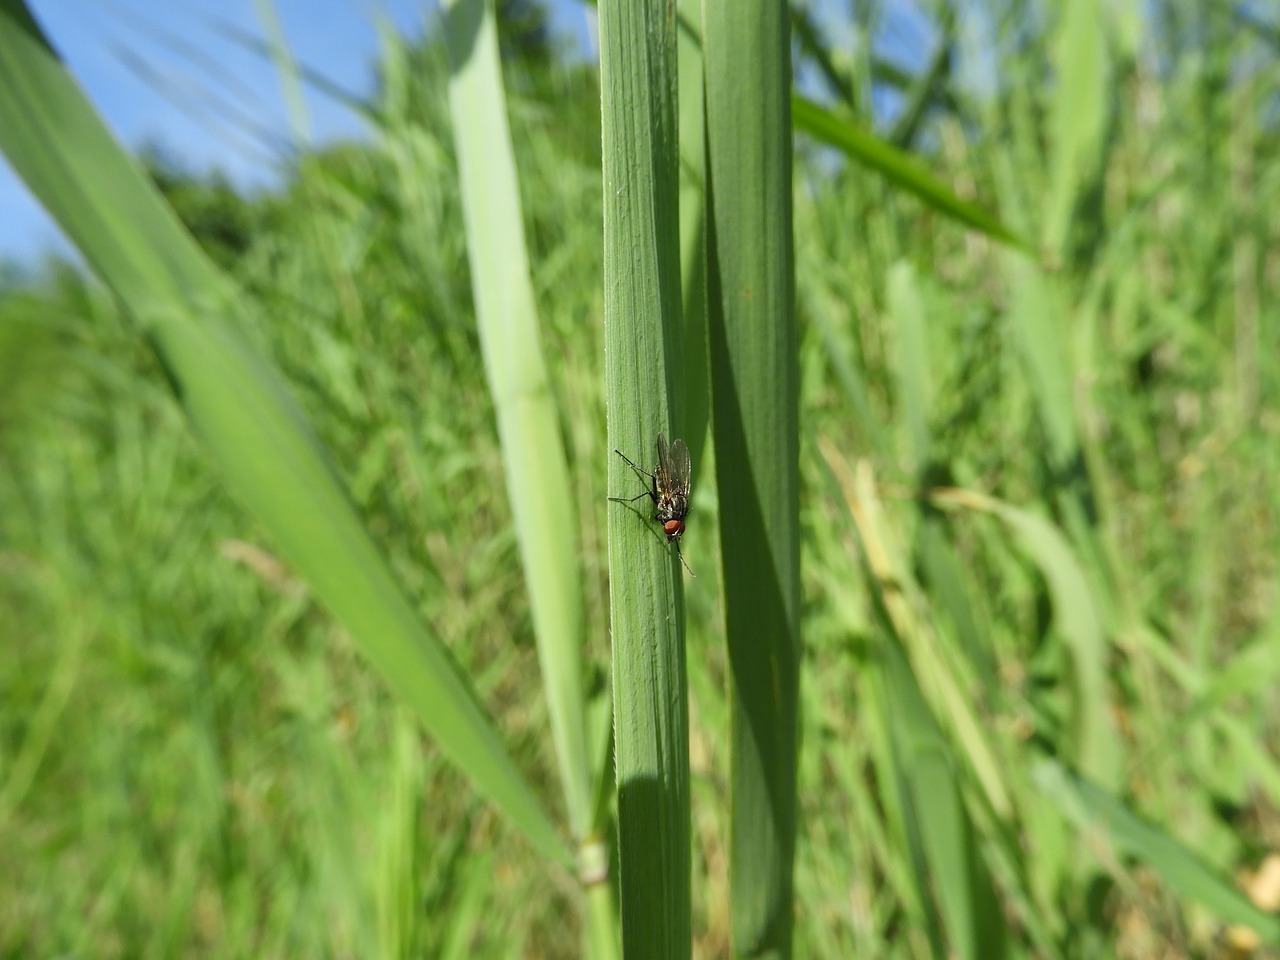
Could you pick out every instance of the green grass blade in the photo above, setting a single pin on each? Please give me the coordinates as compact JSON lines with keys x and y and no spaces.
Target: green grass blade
{"x":950,"y":872}
{"x":901,"y":169}
{"x":643,"y":363}
{"x":238,"y":407}
{"x":897,"y":165}
{"x":1035,"y":312}
{"x":1100,"y":815}
{"x":915,"y":383}
{"x":287,"y":70}
{"x":811,"y":45}
{"x":823,"y":308}
{"x":533,"y":450}
{"x":693,"y":241}
{"x":940,"y":674}
{"x":1077,"y":116}
{"x":1076,"y":613}
{"x":755,"y":399}
{"x":935,"y":741}
{"x":397,"y":887}
{"x":922,"y":93}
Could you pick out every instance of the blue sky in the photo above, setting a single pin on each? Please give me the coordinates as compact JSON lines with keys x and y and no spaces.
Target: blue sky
{"x":166,"y":73}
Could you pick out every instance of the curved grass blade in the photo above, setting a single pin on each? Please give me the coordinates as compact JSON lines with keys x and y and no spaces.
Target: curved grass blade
{"x":1097,"y":813}
{"x":250,"y":427}
{"x":1078,"y":619}
{"x":901,"y":169}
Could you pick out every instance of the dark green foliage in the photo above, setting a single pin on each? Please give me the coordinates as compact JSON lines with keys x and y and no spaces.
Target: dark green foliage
{"x":223,"y":221}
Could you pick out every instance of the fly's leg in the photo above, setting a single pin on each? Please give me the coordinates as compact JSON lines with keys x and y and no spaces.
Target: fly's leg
{"x":646,"y":493}
{"x":632,"y":465}
{"x":684,"y":561}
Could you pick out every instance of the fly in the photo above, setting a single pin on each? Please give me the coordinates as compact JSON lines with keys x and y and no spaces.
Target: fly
{"x":668,"y":489}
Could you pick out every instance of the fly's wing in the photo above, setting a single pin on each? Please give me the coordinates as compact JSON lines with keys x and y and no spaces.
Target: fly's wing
{"x":678,"y":469}
{"x":662,"y":472}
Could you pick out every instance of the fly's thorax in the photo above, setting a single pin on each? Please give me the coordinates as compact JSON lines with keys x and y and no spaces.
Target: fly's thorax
{"x":671,"y":506}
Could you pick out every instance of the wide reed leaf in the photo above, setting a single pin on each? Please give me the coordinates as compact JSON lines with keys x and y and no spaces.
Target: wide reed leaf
{"x":533,"y":450}
{"x":528,"y":426}
{"x":643,"y":369}
{"x":755,"y":402}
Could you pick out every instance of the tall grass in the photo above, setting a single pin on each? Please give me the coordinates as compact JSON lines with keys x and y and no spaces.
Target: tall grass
{"x":1037,"y":526}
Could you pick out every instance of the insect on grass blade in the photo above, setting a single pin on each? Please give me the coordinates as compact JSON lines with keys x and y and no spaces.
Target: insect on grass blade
{"x":669,"y":485}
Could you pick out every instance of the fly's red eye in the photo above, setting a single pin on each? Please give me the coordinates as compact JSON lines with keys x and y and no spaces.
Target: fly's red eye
{"x":674,"y":529}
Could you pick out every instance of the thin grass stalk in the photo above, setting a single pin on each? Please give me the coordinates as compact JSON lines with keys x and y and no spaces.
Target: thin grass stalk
{"x":643,"y":367}
{"x":396,"y":885}
{"x":537,"y":471}
{"x":911,"y":672}
{"x":249,"y":425}
{"x":755,"y":403}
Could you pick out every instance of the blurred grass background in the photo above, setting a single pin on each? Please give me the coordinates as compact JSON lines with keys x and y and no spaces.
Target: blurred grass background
{"x":194,"y":760}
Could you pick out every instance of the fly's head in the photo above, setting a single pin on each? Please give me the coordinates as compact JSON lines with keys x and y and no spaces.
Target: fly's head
{"x":671,"y":507}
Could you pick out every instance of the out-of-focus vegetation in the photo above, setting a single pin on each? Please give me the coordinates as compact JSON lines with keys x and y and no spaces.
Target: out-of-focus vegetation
{"x":1039,"y":520}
